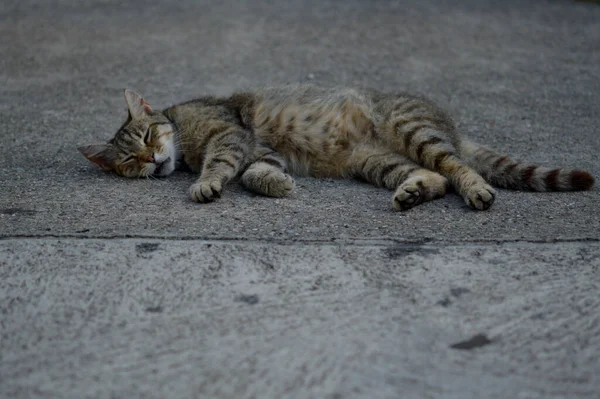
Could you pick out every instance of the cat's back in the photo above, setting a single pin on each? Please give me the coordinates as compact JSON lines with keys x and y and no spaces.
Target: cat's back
{"x":309,"y":96}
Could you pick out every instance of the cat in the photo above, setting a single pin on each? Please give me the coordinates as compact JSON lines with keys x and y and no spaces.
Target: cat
{"x":398,"y":141}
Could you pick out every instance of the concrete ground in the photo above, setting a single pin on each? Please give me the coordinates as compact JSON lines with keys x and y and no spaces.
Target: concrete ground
{"x":125,"y":288}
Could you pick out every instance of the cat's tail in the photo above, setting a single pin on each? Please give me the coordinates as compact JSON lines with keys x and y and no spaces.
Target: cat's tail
{"x":501,"y":171}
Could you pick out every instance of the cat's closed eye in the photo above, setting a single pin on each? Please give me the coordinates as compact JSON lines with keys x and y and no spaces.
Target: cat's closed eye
{"x":148,"y":135}
{"x":127,"y":159}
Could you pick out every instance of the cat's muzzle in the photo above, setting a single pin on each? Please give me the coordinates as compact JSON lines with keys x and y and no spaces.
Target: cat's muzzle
{"x":162,"y":167}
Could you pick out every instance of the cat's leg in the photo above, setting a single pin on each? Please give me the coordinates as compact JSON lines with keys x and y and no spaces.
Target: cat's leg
{"x":413,"y":184}
{"x":429,"y":140}
{"x":419,"y":130}
{"x":434,"y":150}
{"x":226,"y":153}
{"x":266,"y":175}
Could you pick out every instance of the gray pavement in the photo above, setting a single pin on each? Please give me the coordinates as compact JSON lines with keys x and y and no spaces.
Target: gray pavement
{"x":125,"y":288}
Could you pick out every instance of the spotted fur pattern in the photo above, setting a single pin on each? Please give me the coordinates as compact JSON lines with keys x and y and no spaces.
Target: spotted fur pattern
{"x":401,"y":142}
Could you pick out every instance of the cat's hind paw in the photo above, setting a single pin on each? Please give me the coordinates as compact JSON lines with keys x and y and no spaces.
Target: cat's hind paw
{"x":407,"y":196}
{"x":422,"y":187}
{"x":480,"y":196}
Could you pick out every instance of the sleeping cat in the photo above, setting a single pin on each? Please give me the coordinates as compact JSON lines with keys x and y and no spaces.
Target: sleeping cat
{"x":397,"y":141}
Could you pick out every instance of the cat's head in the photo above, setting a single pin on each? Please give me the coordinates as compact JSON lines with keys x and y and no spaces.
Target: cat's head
{"x":143,"y":146}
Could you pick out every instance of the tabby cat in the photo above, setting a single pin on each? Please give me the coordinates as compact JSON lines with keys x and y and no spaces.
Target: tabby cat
{"x":397,"y":141}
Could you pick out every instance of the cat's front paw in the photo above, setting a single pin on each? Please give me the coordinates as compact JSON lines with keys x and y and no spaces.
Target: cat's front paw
{"x":278,"y":184}
{"x":268,"y":181}
{"x":206,"y":191}
{"x":480,"y":196}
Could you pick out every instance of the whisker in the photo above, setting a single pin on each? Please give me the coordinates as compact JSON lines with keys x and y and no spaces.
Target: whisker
{"x":179,"y":142}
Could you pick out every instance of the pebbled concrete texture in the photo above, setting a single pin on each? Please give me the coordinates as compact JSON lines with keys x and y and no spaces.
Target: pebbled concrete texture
{"x":125,"y":288}
{"x":151,"y":318}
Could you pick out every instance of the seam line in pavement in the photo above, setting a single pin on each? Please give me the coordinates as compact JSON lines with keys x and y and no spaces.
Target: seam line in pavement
{"x":381,"y":241}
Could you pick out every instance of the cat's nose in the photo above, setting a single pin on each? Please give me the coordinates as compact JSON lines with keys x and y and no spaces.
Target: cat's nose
{"x":150,"y":158}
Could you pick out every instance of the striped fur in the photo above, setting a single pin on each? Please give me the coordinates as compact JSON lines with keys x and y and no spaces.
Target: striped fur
{"x":502,"y":171}
{"x":401,"y":142}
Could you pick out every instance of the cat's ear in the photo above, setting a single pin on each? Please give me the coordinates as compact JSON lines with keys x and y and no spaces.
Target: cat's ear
{"x":138,"y":107}
{"x":100,"y":154}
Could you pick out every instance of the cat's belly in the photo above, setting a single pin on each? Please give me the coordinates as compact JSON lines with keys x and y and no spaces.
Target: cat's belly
{"x":315,"y":138}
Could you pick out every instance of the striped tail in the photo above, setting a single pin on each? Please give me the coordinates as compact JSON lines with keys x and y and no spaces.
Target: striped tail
{"x":502,"y":171}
